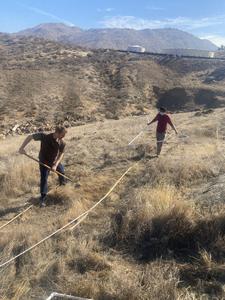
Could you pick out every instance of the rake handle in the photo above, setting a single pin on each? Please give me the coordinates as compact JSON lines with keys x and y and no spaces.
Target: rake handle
{"x":46,"y":166}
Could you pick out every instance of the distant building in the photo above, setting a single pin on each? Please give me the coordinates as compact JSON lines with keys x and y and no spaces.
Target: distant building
{"x":136,"y":48}
{"x":189,"y":52}
{"x":221,"y":48}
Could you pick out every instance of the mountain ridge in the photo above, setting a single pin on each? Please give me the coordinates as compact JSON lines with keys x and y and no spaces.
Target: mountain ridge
{"x":118,"y":39}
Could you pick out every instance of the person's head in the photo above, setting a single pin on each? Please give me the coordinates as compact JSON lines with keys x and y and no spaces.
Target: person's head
{"x":60,"y":132}
{"x":162,"y":110}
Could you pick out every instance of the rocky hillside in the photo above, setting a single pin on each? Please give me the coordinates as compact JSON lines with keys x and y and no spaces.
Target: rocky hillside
{"x":152,"y":39}
{"x":43,"y":83}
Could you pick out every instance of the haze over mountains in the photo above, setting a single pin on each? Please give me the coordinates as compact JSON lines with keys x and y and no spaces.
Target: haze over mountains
{"x":114,"y":38}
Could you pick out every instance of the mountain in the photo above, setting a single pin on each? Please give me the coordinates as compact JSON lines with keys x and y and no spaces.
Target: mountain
{"x":152,"y":39}
{"x":52,"y":31}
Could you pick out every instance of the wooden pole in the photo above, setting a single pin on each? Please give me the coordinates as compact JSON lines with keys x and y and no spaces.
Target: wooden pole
{"x":46,"y":166}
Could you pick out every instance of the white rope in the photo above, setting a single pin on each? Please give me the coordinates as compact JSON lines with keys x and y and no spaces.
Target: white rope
{"x":16,"y":217}
{"x":81,"y":220}
{"x":65,"y":297}
{"x":69,"y":223}
{"x":161,"y":141}
{"x":81,"y":217}
{"x":137,"y":136}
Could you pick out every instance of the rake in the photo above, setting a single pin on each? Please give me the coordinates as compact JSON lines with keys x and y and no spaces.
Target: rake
{"x":46,"y":166}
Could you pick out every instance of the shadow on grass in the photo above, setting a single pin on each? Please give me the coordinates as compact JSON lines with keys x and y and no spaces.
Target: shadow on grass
{"x":9,"y":210}
{"x":176,"y":237}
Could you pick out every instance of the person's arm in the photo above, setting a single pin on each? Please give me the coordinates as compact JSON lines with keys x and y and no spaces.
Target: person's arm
{"x":59,"y":156}
{"x":154,"y":120}
{"x":172,"y":125}
{"x":58,"y":160}
{"x":25,"y":143}
{"x":36,"y":136}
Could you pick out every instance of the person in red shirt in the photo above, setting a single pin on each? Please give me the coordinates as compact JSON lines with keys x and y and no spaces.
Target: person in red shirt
{"x":163,"y":119}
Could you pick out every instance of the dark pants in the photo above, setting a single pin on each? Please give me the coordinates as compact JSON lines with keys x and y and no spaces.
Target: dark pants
{"x":44,"y":172}
{"x":160,"y":137}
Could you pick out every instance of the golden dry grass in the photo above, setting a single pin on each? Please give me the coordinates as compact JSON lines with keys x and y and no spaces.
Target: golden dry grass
{"x":150,"y":216}
{"x":20,"y":178}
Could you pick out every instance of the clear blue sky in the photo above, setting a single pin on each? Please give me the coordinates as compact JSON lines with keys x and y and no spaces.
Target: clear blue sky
{"x":203,"y":18}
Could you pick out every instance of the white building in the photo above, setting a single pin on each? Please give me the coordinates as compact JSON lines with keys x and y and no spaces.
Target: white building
{"x":189,"y":52}
{"x":136,"y":48}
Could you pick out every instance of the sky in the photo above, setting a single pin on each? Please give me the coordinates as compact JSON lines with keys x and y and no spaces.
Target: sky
{"x":203,"y":18}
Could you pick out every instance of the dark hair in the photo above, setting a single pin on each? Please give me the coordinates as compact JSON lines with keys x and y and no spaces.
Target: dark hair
{"x":162,"y":109}
{"x":60,"y":129}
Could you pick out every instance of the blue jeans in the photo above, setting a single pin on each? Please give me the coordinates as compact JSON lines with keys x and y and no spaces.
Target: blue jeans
{"x":44,"y":172}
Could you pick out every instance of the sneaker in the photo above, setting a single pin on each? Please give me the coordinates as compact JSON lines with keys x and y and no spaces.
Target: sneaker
{"x":43,"y":201}
{"x":42,"y":204}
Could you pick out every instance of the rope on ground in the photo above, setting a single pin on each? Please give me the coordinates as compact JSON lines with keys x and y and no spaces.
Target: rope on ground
{"x":80,"y":220}
{"x":71,"y":222}
{"x":16,"y":217}
{"x":182,"y":136}
{"x":64,"y":296}
{"x":137,"y":136}
{"x":28,"y":208}
{"x":81,"y":217}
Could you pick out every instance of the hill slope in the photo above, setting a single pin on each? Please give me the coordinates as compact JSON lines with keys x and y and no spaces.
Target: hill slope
{"x":87,"y":85}
{"x":152,"y":39}
{"x":159,"y":235}
{"x":43,"y":83}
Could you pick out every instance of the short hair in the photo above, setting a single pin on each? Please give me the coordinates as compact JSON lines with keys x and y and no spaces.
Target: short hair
{"x":162,"y":109}
{"x":60,"y":129}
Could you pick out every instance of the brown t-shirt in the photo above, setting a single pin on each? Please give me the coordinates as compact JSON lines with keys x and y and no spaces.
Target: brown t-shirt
{"x":50,"y":147}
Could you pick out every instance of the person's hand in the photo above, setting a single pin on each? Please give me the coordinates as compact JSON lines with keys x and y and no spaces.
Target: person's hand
{"x":54,"y":167}
{"x":22,"y":151}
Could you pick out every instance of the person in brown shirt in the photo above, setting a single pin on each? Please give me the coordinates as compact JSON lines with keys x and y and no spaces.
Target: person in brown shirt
{"x":51,"y":153}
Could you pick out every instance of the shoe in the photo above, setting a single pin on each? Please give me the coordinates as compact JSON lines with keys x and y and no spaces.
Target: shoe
{"x":42,"y":201}
{"x":43,"y":204}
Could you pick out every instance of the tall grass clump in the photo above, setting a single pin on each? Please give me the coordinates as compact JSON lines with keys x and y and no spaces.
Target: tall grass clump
{"x":20,"y":177}
{"x":157,"y":218}
{"x":159,"y":222}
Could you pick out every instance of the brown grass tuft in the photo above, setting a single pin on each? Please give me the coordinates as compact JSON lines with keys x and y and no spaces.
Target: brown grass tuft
{"x":62,"y":195}
{"x":156,"y":222}
{"x":204,"y":275}
{"x":84,"y":257}
{"x":20,"y":178}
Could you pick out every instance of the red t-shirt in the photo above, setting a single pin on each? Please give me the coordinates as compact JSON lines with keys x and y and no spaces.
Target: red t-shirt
{"x":163,"y":120}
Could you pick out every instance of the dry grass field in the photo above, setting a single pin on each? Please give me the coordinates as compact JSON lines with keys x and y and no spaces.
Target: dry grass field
{"x":159,"y":235}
